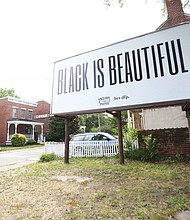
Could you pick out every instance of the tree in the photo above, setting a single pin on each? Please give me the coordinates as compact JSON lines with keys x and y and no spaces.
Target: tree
{"x":99,"y":122}
{"x":186,"y":3}
{"x":56,"y":130}
{"x":7,"y":92}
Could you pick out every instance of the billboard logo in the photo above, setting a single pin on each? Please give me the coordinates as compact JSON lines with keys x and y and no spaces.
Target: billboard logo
{"x":104,"y":100}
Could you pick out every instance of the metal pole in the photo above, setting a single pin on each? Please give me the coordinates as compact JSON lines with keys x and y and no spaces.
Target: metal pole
{"x":66,"y":157}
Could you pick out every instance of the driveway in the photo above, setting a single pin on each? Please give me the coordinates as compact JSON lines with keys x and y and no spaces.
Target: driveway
{"x":17,"y":158}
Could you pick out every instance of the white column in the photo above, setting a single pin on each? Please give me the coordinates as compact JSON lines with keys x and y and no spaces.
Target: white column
{"x":33,"y":127}
{"x":8,"y":126}
{"x":42,"y":131}
{"x":133,"y":120}
{"x":16,"y":128}
{"x":129,"y":119}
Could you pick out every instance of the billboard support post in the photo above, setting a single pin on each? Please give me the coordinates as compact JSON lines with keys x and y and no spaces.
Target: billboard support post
{"x":186,"y":108}
{"x":67,"y":125}
{"x":120,"y":137}
{"x":117,"y":114}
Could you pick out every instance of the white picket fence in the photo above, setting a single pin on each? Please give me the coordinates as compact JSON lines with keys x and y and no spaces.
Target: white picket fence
{"x":86,"y":148}
{"x":83,"y":148}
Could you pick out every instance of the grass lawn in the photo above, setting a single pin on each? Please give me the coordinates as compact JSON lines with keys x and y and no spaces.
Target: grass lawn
{"x":135,"y":190}
{"x":6,"y":148}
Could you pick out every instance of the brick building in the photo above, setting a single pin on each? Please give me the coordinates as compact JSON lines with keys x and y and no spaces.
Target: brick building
{"x":166,"y":117}
{"x":24,"y":117}
{"x":169,"y":125}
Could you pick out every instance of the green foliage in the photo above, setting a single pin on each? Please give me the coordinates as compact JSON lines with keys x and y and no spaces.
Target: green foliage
{"x":178,"y":158}
{"x":31,"y":142}
{"x":18,"y":140}
{"x":56,"y":130}
{"x":150,"y":143}
{"x":99,"y":122}
{"x":48,"y":157}
{"x":7,"y":92}
{"x":147,"y":154}
{"x":91,"y":122}
{"x":130,"y":136}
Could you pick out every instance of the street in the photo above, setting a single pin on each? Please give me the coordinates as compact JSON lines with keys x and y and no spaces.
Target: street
{"x":17,"y":158}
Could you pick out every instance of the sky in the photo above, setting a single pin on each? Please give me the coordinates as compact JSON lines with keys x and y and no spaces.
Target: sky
{"x":37,"y":33}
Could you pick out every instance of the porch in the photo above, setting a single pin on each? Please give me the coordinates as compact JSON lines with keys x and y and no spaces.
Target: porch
{"x":27,"y":128}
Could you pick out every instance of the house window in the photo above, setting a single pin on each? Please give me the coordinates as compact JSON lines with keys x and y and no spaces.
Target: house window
{"x":30,"y":115}
{"x":15,"y":113}
{"x":23,"y":113}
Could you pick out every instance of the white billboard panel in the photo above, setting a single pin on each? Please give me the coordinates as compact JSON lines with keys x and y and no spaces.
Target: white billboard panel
{"x":147,"y":70}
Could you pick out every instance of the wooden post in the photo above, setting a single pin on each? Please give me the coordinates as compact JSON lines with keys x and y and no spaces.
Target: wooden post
{"x":186,"y":108}
{"x":120,"y":136}
{"x":67,"y":124}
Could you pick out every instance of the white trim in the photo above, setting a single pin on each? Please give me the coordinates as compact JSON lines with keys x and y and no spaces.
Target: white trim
{"x":12,"y":99}
{"x":25,"y":122}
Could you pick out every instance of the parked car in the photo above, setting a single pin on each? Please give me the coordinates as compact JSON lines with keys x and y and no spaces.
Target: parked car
{"x":93,"y":144}
{"x":93,"y":136}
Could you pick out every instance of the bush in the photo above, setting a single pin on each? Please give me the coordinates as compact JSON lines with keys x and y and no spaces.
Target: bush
{"x":18,"y":140}
{"x":147,"y":154}
{"x":31,"y":142}
{"x":130,"y":136}
{"x":48,"y":157}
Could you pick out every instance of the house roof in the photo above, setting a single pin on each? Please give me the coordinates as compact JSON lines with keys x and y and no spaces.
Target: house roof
{"x":24,"y":121}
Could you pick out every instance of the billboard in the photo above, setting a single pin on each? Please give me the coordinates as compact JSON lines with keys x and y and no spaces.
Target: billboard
{"x":148,"y":70}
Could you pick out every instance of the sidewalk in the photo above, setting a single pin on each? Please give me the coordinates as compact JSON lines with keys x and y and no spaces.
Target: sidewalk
{"x":16,"y":165}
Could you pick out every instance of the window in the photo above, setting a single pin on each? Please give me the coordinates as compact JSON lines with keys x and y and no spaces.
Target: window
{"x":23,"y":113}
{"x":78,"y":138}
{"x":30,"y":115}
{"x":15,"y":112}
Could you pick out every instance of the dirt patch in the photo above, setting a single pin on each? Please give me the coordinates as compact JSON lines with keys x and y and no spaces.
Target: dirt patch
{"x":78,"y":179}
{"x":184,"y":215}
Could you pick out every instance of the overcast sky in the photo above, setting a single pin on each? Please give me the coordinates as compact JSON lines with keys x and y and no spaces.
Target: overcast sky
{"x":36,"y":33}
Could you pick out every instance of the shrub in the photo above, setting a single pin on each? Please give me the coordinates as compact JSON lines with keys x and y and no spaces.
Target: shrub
{"x":18,"y":140}
{"x":147,"y":154}
{"x":48,"y":157}
{"x":31,"y":142}
{"x":130,"y":136}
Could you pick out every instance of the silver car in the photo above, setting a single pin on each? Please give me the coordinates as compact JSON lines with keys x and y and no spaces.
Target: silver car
{"x":93,"y":144}
{"x":93,"y":136}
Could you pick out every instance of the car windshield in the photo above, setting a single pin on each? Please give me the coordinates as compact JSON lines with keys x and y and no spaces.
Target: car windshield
{"x":78,"y":138}
{"x":89,"y":137}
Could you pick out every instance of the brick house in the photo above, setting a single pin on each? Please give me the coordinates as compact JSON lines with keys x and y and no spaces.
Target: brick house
{"x":170,"y":125}
{"x":24,"y":117}
{"x":166,"y":117}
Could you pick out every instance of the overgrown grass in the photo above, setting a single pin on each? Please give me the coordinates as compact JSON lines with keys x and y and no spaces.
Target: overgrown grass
{"x":135,"y":190}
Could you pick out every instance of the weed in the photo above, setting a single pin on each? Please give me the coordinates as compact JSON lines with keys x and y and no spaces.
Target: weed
{"x":147,"y":154}
{"x":48,"y":157}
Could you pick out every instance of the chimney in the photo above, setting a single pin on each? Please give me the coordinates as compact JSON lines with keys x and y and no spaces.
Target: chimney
{"x":176,"y":14}
{"x":174,"y":8}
